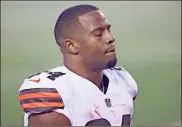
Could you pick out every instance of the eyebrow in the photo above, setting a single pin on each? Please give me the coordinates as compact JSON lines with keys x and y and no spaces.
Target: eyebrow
{"x":101,"y":27}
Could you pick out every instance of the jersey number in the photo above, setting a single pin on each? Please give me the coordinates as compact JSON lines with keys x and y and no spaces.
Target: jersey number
{"x":52,"y":75}
{"x":126,"y":120}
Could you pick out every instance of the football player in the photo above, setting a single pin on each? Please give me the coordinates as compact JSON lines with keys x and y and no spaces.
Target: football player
{"x":88,"y":89}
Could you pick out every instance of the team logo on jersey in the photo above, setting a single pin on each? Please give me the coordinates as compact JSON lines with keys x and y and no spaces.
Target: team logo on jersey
{"x":35,"y":80}
{"x":108,"y":102}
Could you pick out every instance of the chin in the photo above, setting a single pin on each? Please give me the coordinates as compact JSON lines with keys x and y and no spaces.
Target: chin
{"x":111,"y":63}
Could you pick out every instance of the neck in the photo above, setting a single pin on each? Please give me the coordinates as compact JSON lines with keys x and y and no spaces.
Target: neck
{"x":82,"y":70}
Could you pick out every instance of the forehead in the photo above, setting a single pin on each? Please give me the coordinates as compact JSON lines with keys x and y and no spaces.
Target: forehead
{"x":93,"y":20}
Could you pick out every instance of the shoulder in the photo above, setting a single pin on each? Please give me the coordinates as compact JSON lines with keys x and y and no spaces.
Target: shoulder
{"x":121,"y":73}
{"x":51,"y":80}
{"x":46,"y":92}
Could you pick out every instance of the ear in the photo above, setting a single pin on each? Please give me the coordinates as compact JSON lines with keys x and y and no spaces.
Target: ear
{"x":72,"y":46}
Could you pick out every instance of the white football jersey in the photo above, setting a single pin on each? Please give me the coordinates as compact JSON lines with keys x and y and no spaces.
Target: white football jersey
{"x":60,"y":90}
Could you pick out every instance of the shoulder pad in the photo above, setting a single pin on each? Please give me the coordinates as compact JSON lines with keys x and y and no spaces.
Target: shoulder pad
{"x":40,"y":94}
{"x":126,"y":76}
{"x":43,"y":78}
{"x":48,"y":79}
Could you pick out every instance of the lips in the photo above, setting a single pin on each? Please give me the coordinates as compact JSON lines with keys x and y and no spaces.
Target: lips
{"x":110,"y":50}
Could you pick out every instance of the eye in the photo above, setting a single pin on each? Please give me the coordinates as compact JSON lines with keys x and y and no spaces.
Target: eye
{"x":98,"y":33}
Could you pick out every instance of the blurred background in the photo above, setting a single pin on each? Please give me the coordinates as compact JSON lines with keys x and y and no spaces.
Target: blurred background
{"x":148,"y":43}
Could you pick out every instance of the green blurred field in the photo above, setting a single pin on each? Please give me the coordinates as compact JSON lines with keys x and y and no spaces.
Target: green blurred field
{"x":148,"y":42}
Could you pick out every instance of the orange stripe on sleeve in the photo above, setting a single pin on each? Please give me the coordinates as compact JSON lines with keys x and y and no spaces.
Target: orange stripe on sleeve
{"x":39,"y":95}
{"x":42,"y":104}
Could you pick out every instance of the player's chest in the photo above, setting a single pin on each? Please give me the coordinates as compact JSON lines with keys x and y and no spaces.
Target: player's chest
{"x":90,"y":103}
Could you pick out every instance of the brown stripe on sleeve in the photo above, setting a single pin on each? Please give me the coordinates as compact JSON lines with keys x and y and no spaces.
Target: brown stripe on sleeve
{"x":39,"y":107}
{"x":39,"y":100}
{"x":35,"y":90}
{"x":39,"y":95}
{"x":43,"y":104}
{"x":33,"y":100}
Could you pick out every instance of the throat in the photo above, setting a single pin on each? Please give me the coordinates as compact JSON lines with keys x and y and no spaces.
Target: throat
{"x":96,"y":77}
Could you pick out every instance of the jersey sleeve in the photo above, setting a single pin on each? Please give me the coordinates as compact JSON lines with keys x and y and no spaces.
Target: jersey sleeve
{"x":40,"y":95}
{"x":130,"y":81}
{"x":132,"y":84}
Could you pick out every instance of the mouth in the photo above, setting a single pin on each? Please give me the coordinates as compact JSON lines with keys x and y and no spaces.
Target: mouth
{"x":111,"y":50}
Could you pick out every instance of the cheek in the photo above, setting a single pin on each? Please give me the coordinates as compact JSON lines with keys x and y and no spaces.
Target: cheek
{"x":93,"y":48}
{"x":97,"y":51}
{"x":93,"y":53}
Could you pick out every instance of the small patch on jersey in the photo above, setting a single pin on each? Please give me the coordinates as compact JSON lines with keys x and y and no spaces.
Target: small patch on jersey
{"x":108,"y":102}
{"x":39,"y":100}
{"x":35,"y":80}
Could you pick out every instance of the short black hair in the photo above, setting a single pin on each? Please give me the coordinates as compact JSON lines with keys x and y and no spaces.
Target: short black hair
{"x":68,"y":21}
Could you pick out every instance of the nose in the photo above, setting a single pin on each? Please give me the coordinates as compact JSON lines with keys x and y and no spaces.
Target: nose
{"x":110,"y":38}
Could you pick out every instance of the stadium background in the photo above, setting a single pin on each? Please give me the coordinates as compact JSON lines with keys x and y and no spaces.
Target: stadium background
{"x":148,"y":36}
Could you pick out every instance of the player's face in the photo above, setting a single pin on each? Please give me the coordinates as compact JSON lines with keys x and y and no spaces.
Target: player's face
{"x":98,"y":48}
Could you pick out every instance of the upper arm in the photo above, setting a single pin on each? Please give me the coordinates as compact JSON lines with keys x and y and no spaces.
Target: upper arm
{"x":49,"y":119}
{"x":43,"y":104}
